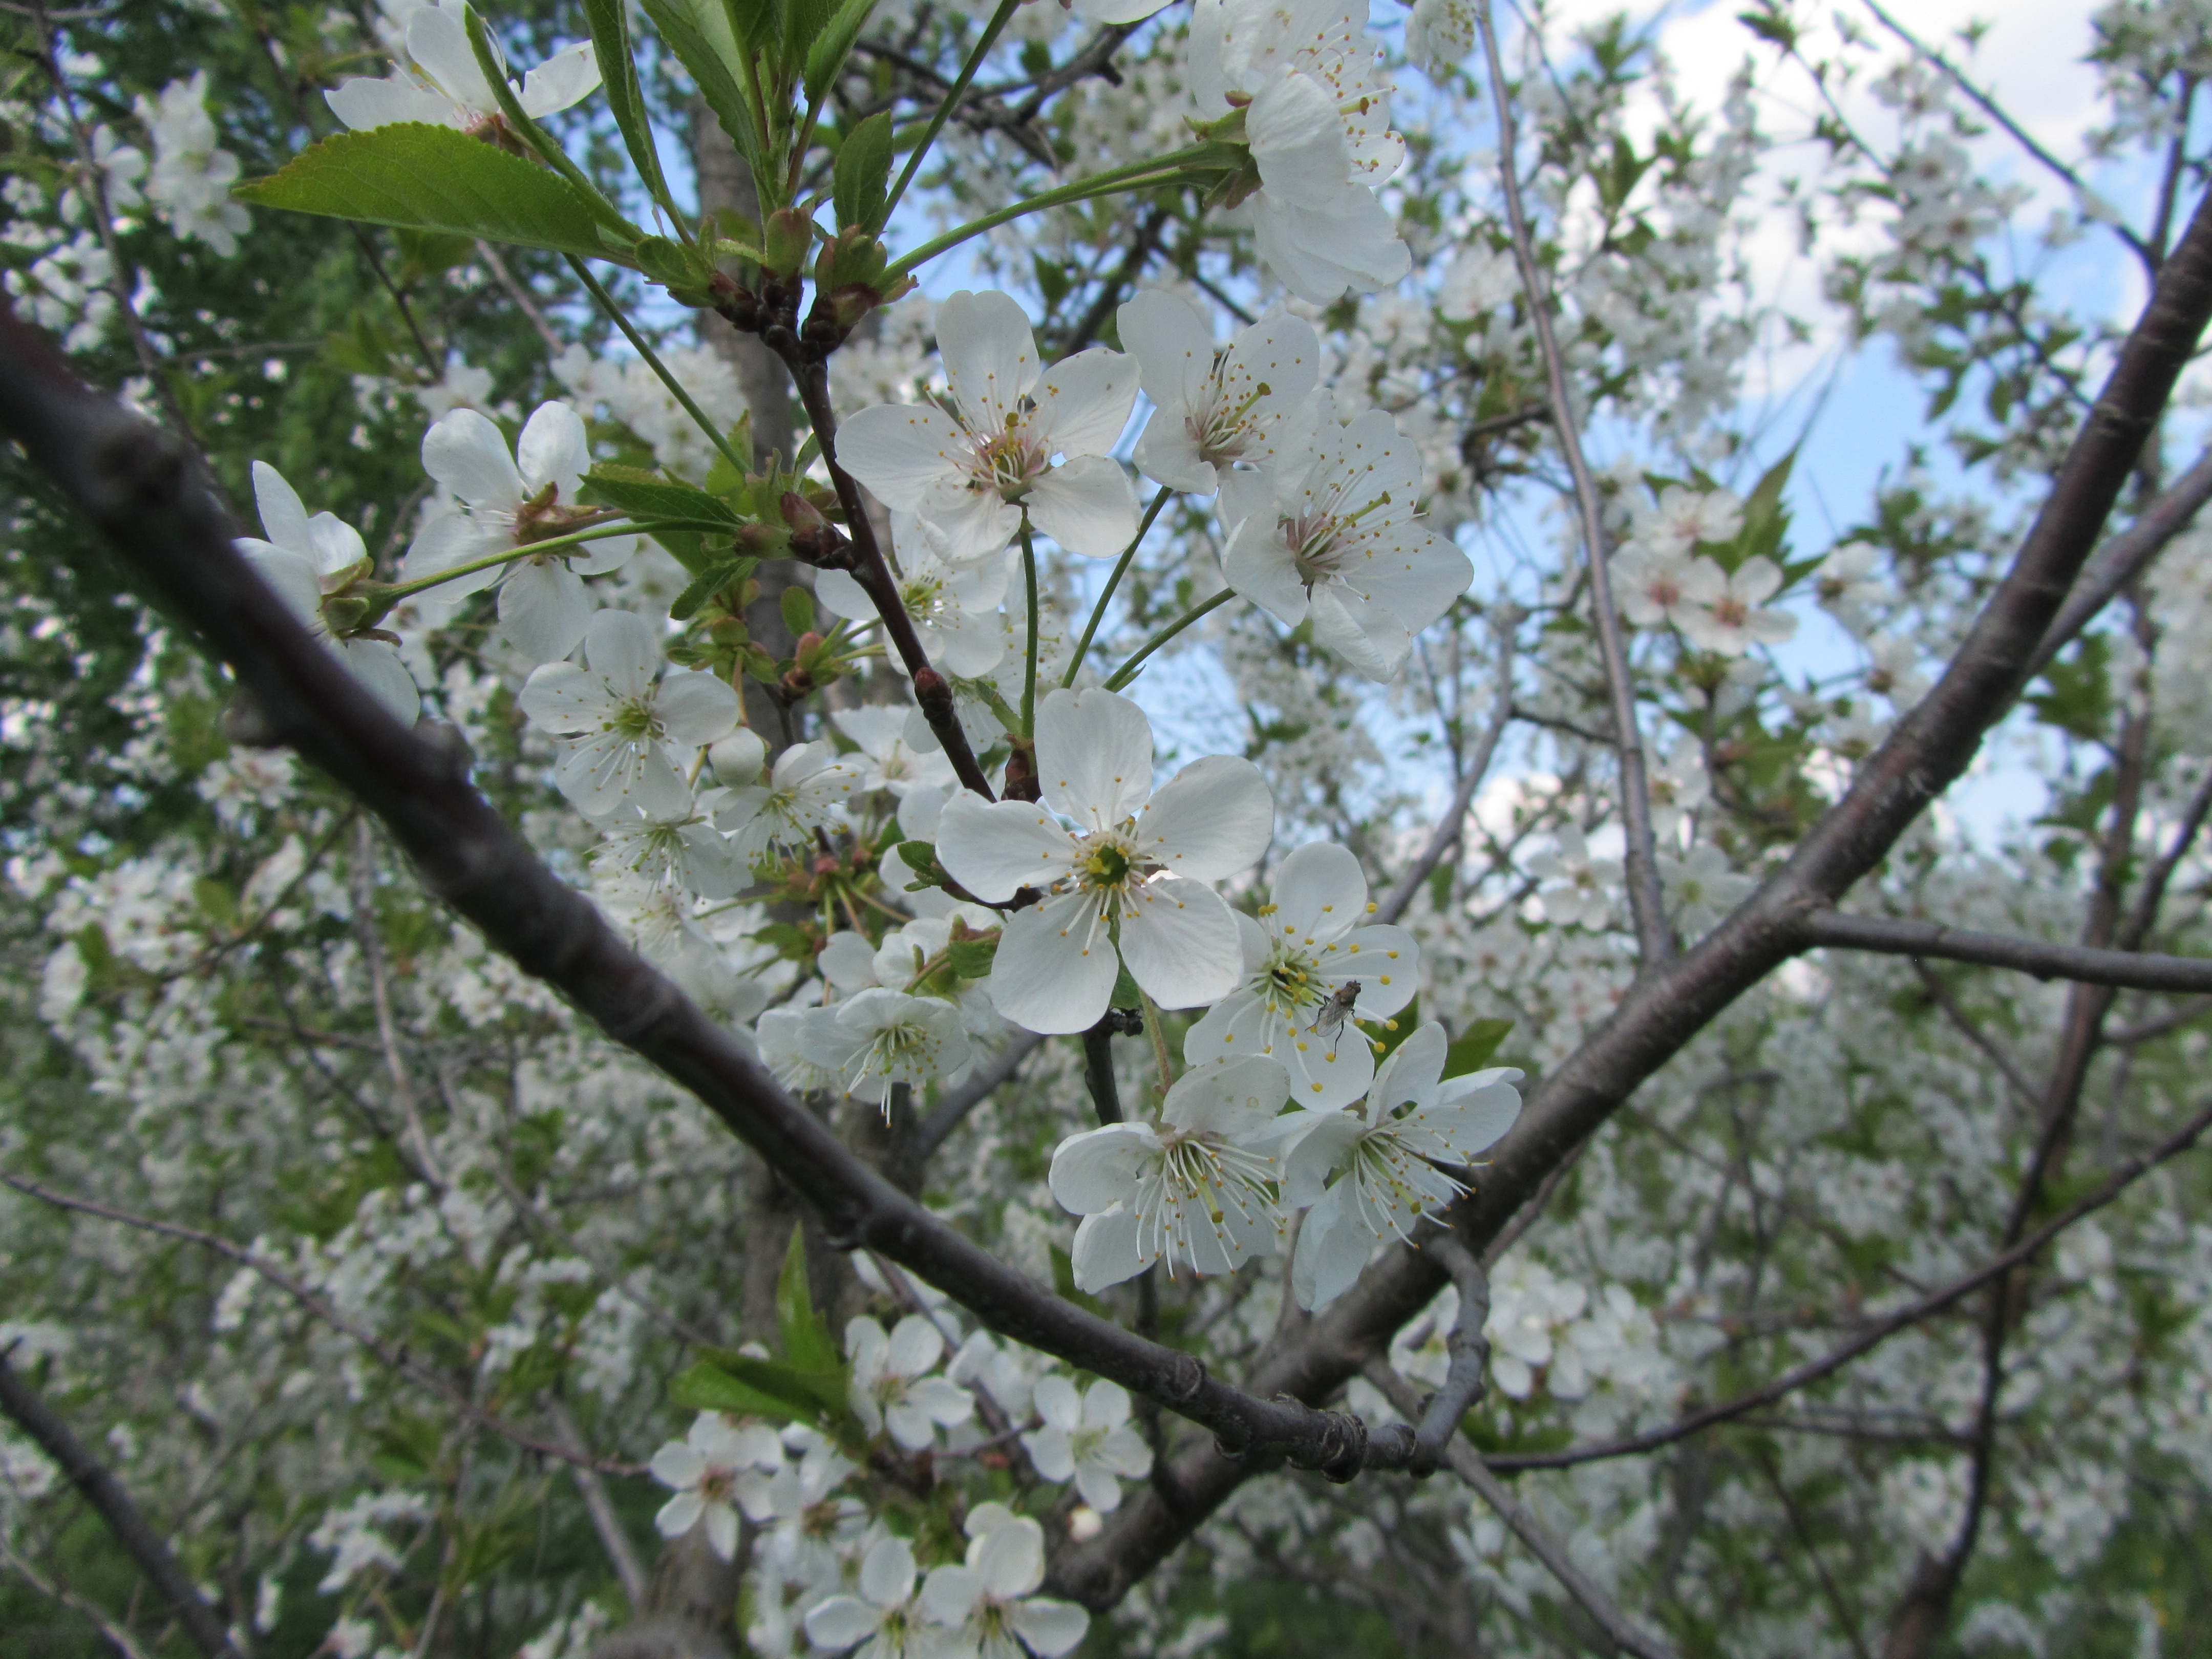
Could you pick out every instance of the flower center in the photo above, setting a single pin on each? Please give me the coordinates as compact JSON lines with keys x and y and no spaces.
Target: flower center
{"x":1289,"y":983}
{"x":923,"y":598}
{"x":1007,"y":463}
{"x":1730,"y":612}
{"x":1223,"y":434}
{"x":633,"y":719}
{"x":1107,"y":866}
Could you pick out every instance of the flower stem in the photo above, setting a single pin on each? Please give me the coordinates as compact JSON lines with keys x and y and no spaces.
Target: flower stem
{"x":1029,"y":669}
{"x":992,"y":31}
{"x":652,"y":361}
{"x":528,"y":551}
{"x":1114,"y":581}
{"x":1167,"y":170}
{"x":1158,"y":1031}
{"x":1127,"y":670}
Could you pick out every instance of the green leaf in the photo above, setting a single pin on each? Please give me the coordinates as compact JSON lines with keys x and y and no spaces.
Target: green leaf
{"x":2080,"y":700}
{"x":1765,"y":519}
{"x":415,"y":176}
{"x":806,"y":1340}
{"x":645,"y":495}
{"x":609,"y":21}
{"x":753,"y":23}
{"x":971,"y":958}
{"x":699,"y":33}
{"x":708,"y":583}
{"x":827,"y":51}
{"x":1471,"y":1049}
{"x":864,"y":171}
{"x":739,"y":1383}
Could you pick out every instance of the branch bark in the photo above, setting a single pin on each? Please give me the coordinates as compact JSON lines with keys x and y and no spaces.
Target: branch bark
{"x":1897,"y":937}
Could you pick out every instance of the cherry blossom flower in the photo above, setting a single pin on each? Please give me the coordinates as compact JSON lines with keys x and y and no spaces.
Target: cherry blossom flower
{"x":661,"y":920}
{"x":954,"y":607}
{"x":1439,"y":35}
{"x":504,"y":501}
{"x":806,"y":791}
{"x":1848,"y":581}
{"x":1677,"y":785}
{"x":1087,"y":1437}
{"x":305,"y":560}
{"x":1655,"y":589}
{"x":912,"y":958}
{"x":1340,"y":545}
{"x":1702,"y":887}
{"x":191,"y":174}
{"x":1724,"y":615}
{"x":989,"y":1607}
{"x":1682,"y":518}
{"x":708,"y":1468}
{"x":1123,"y":881}
{"x":1192,"y":1188}
{"x":1317,"y":117}
{"x":898,"y":751}
{"x":884,"y":1615}
{"x":1528,"y":1306}
{"x":622,"y":723}
{"x":1299,"y":952}
{"x":1254,"y":405}
{"x":1893,"y":670}
{"x":890,"y":1388}
{"x":449,"y":89}
{"x":1581,"y":893}
{"x":974,"y":472}
{"x":680,"y":848}
{"x":1389,"y":1177}
{"x":881,"y":1037}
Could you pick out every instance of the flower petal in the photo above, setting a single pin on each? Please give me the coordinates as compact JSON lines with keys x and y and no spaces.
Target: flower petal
{"x":466,"y":453}
{"x":1211,"y":820}
{"x":1094,"y":752}
{"x":993,"y":847}
{"x":565,"y":78}
{"x":886,"y":1573}
{"x":1109,"y":1250}
{"x":1046,"y":1627}
{"x":544,"y":610}
{"x":1094,"y":1170}
{"x":1087,"y":506}
{"x":1055,"y":967}
{"x":1084,"y":402}
{"x":843,"y":1620}
{"x":989,"y":354}
{"x":905,"y":452}
{"x":1172,"y":341}
{"x":694,"y":709}
{"x":1180,"y":944}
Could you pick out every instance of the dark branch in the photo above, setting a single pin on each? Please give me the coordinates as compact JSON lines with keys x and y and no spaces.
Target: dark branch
{"x":104,"y":1493}
{"x":1891,"y":936}
{"x":1468,"y":1350}
{"x":2125,"y":557}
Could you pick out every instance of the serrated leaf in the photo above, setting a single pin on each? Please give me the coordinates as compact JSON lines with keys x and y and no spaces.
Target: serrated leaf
{"x":827,"y":51}
{"x":754,"y":23}
{"x":415,"y":176}
{"x":608,"y":22}
{"x":807,"y":1344}
{"x":1471,"y":1049}
{"x":971,"y":958}
{"x":864,"y":171}
{"x":699,"y":33}
{"x":706,"y":584}
{"x":649,"y":496}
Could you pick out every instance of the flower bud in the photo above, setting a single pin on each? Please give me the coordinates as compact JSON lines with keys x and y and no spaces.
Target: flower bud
{"x":788,"y":237}
{"x":737,"y":759}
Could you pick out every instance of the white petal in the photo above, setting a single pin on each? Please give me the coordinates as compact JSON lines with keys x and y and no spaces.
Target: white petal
{"x":1298,"y":140}
{"x":842,"y":1620}
{"x":886,"y":1573}
{"x":902,"y":452}
{"x":1349,"y":626}
{"x":283,"y":517}
{"x":380,"y":666}
{"x":1011,"y":1560}
{"x":623,"y":649}
{"x":1258,"y":565}
{"x":544,"y":610}
{"x":291,"y":574}
{"x":466,"y":453}
{"x":993,"y":847}
{"x":1097,"y":1168}
{"x":363,"y":103}
{"x":841,"y":596}
{"x":1046,"y":1627}
{"x":917,"y":1345}
{"x":1168,"y":454}
{"x":565,"y":78}
{"x":1211,"y":820}
{"x":1125,"y":1452}
{"x":1107,"y":1249}
{"x":696,"y":708}
{"x":1055,"y":968}
{"x":677,"y":1464}
{"x":722,"y":1530}
{"x":561,"y":697}
{"x":438,"y":41}
{"x":950,"y":1592}
{"x":1098,"y":1487}
{"x":1172,"y":340}
{"x":678,"y":1515}
{"x":1411,"y":1072}
{"x":1051,"y":1453}
{"x":1085,"y":401}
{"x":1094,"y":752}
{"x":1332,"y":1249}
{"x":1180,"y":945}
{"x":989,"y":354}
{"x":1056,"y":1400}
{"x":553,"y":450}
{"x":1087,"y":506}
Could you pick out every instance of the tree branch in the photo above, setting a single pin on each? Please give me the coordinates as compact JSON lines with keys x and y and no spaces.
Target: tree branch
{"x":1453,"y":824}
{"x":104,"y":1493}
{"x":1654,"y":939}
{"x":2125,"y":557}
{"x":1893,"y":936}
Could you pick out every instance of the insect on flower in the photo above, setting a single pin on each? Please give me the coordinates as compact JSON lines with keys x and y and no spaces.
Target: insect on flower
{"x":1329,"y":1019}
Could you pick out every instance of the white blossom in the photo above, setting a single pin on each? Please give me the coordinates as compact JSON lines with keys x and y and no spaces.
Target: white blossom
{"x":806,"y":791}
{"x":709,"y":1469}
{"x":447,"y":86}
{"x":1087,"y":1437}
{"x":1252,"y":406}
{"x":890,"y":1388}
{"x":988,"y":1605}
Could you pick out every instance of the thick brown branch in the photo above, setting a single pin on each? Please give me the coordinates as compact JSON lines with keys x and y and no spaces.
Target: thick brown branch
{"x":104,"y":1493}
{"x":1893,"y":936}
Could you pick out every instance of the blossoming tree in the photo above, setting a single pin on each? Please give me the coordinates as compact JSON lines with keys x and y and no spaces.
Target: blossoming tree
{"x":1039,"y":830}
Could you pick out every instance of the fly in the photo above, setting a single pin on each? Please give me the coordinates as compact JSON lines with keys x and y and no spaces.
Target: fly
{"x":1329,"y":1020}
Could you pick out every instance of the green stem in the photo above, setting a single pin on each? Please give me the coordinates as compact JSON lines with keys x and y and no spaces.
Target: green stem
{"x":1028,"y":671}
{"x":992,"y":31}
{"x":1127,"y":670}
{"x":400,"y":591}
{"x":1167,"y":170}
{"x":1114,"y":581}
{"x":606,"y":302}
{"x":1158,"y":1034}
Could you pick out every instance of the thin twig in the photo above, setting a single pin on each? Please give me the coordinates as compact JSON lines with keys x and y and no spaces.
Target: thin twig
{"x":1894,"y":936}
{"x":1454,"y":821}
{"x":1654,"y":939}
